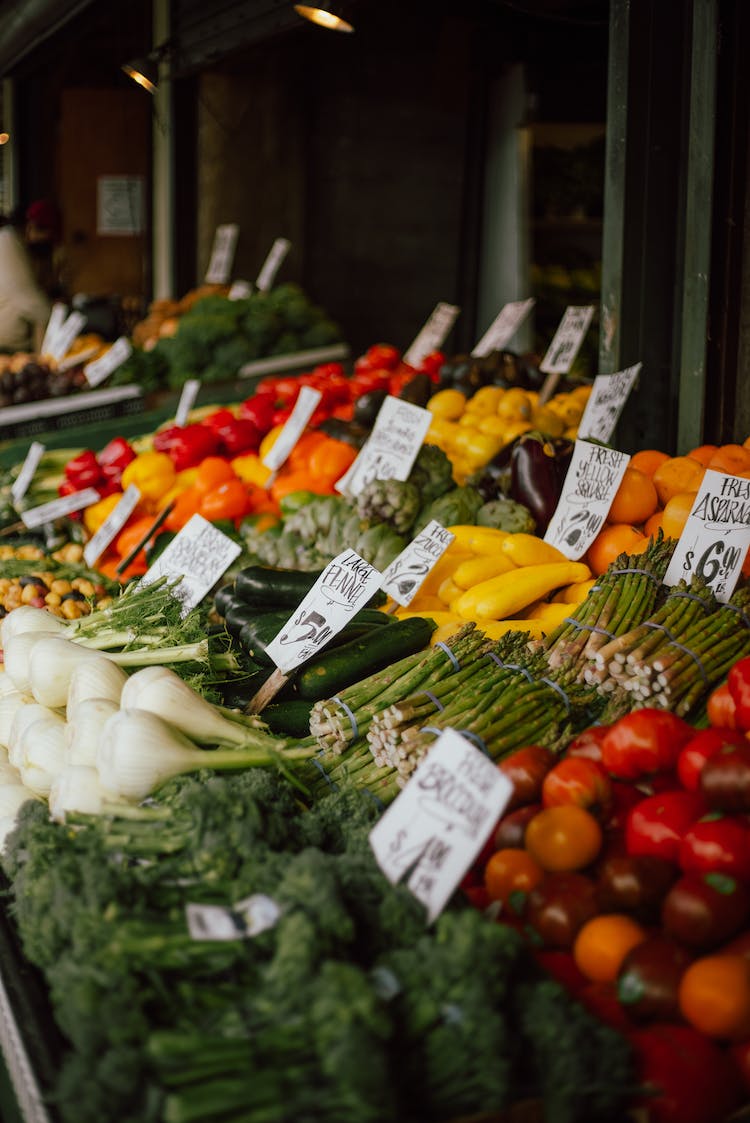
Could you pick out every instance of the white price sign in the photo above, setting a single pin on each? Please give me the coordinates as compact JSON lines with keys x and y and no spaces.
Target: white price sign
{"x":222,"y":254}
{"x":248,"y":918}
{"x":404,"y":576}
{"x":113,"y":358}
{"x":294,"y":426}
{"x":187,"y":401}
{"x":503,"y":327}
{"x":272,"y":264}
{"x":392,"y":447}
{"x":65,"y":334}
{"x":199,"y":555}
{"x":58,"y":508}
{"x":240,"y":290}
{"x":716,"y":536}
{"x":566,"y":344}
{"x":433,"y":334}
{"x":112,"y":525}
{"x":345,"y":585}
{"x":55,"y":322}
{"x":605,"y":404}
{"x":590,"y":485}
{"x":22,"y":482}
{"x":434,"y":830}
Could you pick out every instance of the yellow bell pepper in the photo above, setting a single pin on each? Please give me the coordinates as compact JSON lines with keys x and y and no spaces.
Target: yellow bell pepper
{"x":251,"y":470}
{"x":152,"y":473}
{"x":269,"y":441}
{"x":94,"y":516}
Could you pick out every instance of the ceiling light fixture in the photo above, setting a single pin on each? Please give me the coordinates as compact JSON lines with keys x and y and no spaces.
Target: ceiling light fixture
{"x":335,"y":15}
{"x":145,"y":70}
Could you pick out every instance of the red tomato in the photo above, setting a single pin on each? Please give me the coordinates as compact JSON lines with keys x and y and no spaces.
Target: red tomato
{"x":704,"y":911}
{"x":701,"y":748}
{"x":725,"y":778}
{"x":578,"y":780}
{"x":562,"y":966}
{"x":511,"y":830}
{"x":693,"y":1079}
{"x":588,"y":744}
{"x":601,"y":1000}
{"x":559,"y":906}
{"x":740,"y":1055}
{"x":738,"y":681}
{"x":718,"y":843}
{"x":526,"y":769}
{"x":658,"y":823}
{"x":643,"y":742}
{"x":624,"y":796}
{"x":721,"y":709}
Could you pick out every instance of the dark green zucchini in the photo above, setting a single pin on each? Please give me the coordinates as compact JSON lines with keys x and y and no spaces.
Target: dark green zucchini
{"x":256,"y":634}
{"x":327,"y":674}
{"x":291,"y":717}
{"x":239,"y":614}
{"x":271,"y":588}
{"x":224,"y":598}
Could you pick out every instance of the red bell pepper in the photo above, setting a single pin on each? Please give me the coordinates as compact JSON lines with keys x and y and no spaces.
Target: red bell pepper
{"x":115,"y":457}
{"x":218,"y":419}
{"x":83,"y":470}
{"x":67,"y":487}
{"x":188,"y":446}
{"x":238,"y":434}
{"x":432,"y":363}
{"x":260,"y":410}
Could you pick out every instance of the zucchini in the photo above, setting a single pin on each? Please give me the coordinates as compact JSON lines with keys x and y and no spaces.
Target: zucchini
{"x":223,"y":599}
{"x":291,"y":717}
{"x":236,"y":695}
{"x":239,"y":614}
{"x":261,"y":628}
{"x":327,"y":674}
{"x":267,"y":587}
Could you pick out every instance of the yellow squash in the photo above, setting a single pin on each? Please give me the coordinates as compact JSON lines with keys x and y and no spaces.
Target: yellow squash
{"x":502,"y":596}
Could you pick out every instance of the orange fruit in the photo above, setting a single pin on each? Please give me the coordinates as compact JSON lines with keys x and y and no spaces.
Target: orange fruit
{"x":714,"y":996}
{"x":731,"y":459}
{"x":635,"y":499}
{"x":648,"y":460}
{"x":602,"y":944}
{"x":675,"y":514}
{"x":511,"y":871}
{"x":611,"y":541}
{"x":702,"y":453}
{"x":652,"y":526}
{"x":679,"y":473}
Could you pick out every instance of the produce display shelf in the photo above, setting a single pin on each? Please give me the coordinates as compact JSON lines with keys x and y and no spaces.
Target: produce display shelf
{"x":296,"y":361}
{"x":87,"y":408}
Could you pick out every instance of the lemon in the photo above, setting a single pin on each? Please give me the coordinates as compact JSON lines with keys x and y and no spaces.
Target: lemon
{"x":549,"y":422}
{"x":486,"y":399}
{"x":514,"y":405}
{"x":447,"y":404}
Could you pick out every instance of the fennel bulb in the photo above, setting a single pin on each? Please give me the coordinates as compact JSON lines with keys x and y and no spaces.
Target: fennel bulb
{"x":10,"y":704}
{"x":84,"y":728}
{"x":76,"y":788}
{"x":51,"y":664}
{"x":138,"y":752}
{"x":43,"y":754}
{"x":160,"y":691}
{"x":7,"y":685}
{"x":97,"y":678}
{"x":26,"y":618}
{"x":25,"y":717}
{"x":17,"y":655}
{"x":12,"y":798}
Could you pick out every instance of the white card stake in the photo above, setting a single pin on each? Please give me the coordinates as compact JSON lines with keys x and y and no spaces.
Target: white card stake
{"x":404,"y":576}
{"x":63,"y":338}
{"x":591,"y":482}
{"x":294,"y":426}
{"x":58,"y":508}
{"x":240,"y":290}
{"x":567,"y":340}
{"x":392,"y":447}
{"x":199,"y":555}
{"x":435,"y":828}
{"x":101,"y":369}
{"x":222,"y":254}
{"x":433,"y":334}
{"x":22,"y":482}
{"x":503,"y":327}
{"x":248,"y":918}
{"x":605,"y":404}
{"x":111,"y":526}
{"x":272,"y":264}
{"x":345,"y":585}
{"x":716,"y":536}
{"x":55,"y":322}
{"x":187,"y":401}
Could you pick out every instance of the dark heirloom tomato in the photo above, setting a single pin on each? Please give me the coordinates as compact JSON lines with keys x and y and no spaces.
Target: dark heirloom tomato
{"x":601,"y":1000}
{"x":643,"y":742}
{"x":649,"y":979}
{"x":561,"y":966}
{"x":717,"y":843}
{"x":688,"y":1079}
{"x":740,"y":1054}
{"x":701,"y":748}
{"x":703,"y":912}
{"x":636,"y":884}
{"x":725,"y":779}
{"x":511,"y":830}
{"x":578,"y":780}
{"x":657,"y":824}
{"x":624,"y":796}
{"x":559,"y":906}
{"x":526,"y":769}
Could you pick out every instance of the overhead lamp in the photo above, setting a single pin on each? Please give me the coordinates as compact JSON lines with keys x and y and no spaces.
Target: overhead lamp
{"x":145,"y":70}
{"x":335,"y":15}
{"x":4,"y":138}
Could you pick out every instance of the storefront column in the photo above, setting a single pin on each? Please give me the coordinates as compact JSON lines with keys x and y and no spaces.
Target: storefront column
{"x":163,"y":167}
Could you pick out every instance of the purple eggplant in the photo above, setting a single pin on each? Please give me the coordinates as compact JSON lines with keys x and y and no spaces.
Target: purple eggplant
{"x":538,"y":467}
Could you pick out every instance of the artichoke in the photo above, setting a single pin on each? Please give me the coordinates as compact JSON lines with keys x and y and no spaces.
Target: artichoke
{"x":506,"y":514}
{"x":431,"y":473}
{"x":458,"y":506}
{"x":393,"y":502}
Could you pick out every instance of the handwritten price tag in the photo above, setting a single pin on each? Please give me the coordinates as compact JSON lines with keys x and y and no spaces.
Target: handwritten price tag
{"x":240,"y":290}
{"x":567,"y":340}
{"x":294,"y":426}
{"x":112,"y":525}
{"x":55,"y":322}
{"x":606,"y":401}
{"x":503,"y":327}
{"x":187,"y":401}
{"x":22,"y":482}
{"x":59,"y":508}
{"x":64,"y":336}
{"x":272,"y":264}
{"x":433,"y":334}
{"x":247,"y":918}
{"x":199,"y":555}
{"x":716,"y":536}
{"x":392,"y":447}
{"x":590,"y":485}
{"x":222,"y":254}
{"x":406,"y":573}
{"x":101,"y":369}
{"x":433,"y":832}
{"x":345,"y":585}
